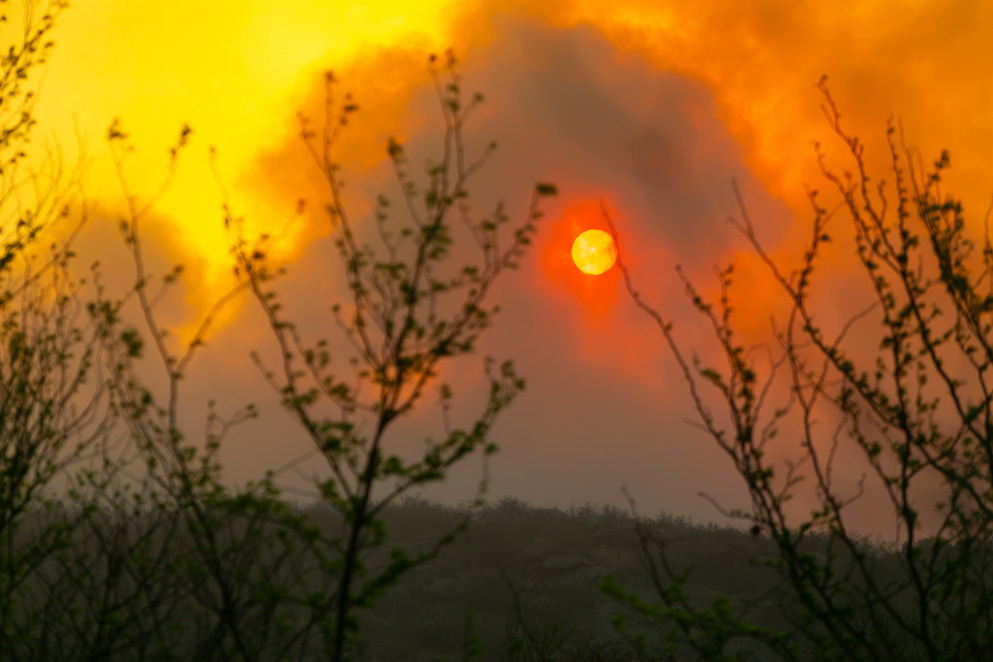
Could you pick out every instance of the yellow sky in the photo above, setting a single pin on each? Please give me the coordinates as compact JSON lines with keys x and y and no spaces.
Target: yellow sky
{"x":233,"y":69}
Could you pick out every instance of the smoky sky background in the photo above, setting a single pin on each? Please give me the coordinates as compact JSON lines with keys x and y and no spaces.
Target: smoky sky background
{"x":652,"y":109}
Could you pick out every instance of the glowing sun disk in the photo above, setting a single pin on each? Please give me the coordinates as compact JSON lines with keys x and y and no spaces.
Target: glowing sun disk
{"x":594,"y":252}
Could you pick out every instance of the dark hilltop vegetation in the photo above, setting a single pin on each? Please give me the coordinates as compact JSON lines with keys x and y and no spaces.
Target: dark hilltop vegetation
{"x":519,"y":583}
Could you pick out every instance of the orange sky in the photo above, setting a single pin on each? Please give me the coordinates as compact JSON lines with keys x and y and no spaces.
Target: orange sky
{"x":652,"y":106}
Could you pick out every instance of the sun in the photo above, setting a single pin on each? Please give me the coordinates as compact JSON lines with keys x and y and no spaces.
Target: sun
{"x":594,"y":252}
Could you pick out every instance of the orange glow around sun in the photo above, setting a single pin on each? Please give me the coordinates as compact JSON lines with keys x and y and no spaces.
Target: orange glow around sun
{"x":594,"y":252}
{"x":596,"y":294}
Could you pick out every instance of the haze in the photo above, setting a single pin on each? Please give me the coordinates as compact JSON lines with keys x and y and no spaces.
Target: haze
{"x":651,"y":109}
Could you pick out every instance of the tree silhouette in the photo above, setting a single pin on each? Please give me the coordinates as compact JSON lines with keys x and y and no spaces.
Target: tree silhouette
{"x":409,"y":312}
{"x":53,"y":418}
{"x":920,"y":414}
{"x":245,"y":575}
